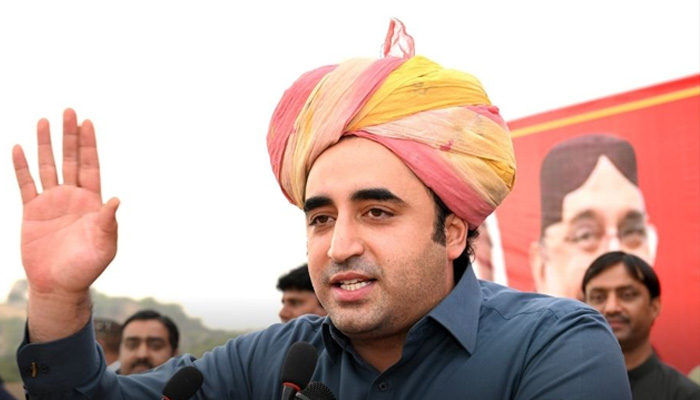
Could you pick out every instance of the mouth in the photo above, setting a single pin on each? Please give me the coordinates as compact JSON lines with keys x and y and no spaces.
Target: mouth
{"x":616,"y":322}
{"x":352,"y":285}
{"x":352,"y":288}
{"x":141,"y":367}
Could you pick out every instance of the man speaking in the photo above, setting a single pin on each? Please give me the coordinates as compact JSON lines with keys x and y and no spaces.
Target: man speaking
{"x":395,"y":163}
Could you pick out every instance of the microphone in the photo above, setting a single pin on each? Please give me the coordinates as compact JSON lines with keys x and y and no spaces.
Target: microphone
{"x":183,"y":384}
{"x":316,"y":391}
{"x":299,"y":365}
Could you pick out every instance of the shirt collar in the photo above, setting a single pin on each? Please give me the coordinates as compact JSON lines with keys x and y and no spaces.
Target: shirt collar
{"x":333,"y":339}
{"x":458,"y":313}
{"x":646,"y":367}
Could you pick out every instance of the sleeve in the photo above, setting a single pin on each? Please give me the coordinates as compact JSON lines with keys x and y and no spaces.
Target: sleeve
{"x":245,"y":368}
{"x":574,"y":356}
{"x":4,"y":395}
{"x":74,"y":368}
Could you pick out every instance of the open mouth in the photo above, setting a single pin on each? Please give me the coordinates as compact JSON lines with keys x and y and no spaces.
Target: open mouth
{"x":353,"y":284}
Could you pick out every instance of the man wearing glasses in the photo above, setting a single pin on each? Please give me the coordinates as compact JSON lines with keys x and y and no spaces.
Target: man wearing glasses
{"x":591,"y":204}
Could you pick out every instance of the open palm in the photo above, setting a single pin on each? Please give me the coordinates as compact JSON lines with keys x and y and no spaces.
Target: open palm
{"x":68,"y":235}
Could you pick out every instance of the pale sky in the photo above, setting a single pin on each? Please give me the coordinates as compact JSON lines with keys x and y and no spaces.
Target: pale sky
{"x":181,"y":93}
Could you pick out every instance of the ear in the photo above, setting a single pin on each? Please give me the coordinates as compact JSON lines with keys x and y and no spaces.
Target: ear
{"x":456,"y":230}
{"x":655,"y":308}
{"x":537,"y":265}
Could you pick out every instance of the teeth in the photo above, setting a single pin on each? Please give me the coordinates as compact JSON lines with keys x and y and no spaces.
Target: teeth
{"x":353,"y":284}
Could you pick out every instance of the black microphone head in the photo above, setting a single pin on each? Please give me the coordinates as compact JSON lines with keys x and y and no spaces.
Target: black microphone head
{"x":316,"y":391}
{"x":299,"y":364}
{"x":184,"y":384}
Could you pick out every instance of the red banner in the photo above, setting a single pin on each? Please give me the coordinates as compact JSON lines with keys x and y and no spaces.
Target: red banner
{"x":659,"y":128}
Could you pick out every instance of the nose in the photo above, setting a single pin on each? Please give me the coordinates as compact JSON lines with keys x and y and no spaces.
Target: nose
{"x":284,"y":314}
{"x":613,"y":241}
{"x":612,"y":305}
{"x":346,"y":241}
{"x":614,"y":244}
{"x":142,"y":350}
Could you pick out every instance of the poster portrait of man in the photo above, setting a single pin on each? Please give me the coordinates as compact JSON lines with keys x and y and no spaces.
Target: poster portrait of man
{"x":591,"y":204}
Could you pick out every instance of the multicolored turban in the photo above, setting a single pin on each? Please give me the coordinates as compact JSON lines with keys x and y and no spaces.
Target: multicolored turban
{"x":438,"y":121}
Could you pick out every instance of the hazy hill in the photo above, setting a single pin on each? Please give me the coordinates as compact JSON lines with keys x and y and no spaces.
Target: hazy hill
{"x":195,"y":338}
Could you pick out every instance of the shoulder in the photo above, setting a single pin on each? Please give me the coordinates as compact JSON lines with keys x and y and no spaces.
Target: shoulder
{"x":263,"y":351}
{"x":541,"y":320}
{"x":549,"y":337}
{"x":679,"y":385}
{"x":512,"y":303}
{"x":277,"y":338}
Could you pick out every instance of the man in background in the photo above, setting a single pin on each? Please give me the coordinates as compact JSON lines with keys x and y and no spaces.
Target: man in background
{"x":591,"y":204}
{"x":298,"y":297}
{"x":149,"y":339}
{"x":625,"y":289}
{"x":108,"y":334}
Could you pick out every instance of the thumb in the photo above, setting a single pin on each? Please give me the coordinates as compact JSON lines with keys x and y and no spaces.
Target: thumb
{"x":107,"y":216}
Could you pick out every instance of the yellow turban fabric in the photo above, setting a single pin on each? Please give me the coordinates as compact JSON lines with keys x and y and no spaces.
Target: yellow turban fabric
{"x":438,"y":121}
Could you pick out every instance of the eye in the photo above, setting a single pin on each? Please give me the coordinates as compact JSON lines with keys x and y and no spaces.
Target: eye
{"x":156,"y":344}
{"x":633,"y":237}
{"x":628,"y":295}
{"x":582,"y":235}
{"x":586,"y":238}
{"x":132,"y":344}
{"x":320,"y":219}
{"x":378,"y":213}
{"x":596,"y":298}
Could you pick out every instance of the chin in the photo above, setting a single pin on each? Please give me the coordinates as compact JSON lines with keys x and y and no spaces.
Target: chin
{"x":352,"y":324}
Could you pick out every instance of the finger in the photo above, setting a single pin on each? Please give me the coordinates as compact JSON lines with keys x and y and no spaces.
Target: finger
{"x":89,"y":165}
{"x":107,"y":217}
{"x":70,"y":148}
{"x":27,"y":188}
{"x":47,"y":165}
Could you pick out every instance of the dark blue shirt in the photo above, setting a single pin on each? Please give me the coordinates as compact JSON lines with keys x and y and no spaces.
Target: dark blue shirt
{"x":483,"y":341}
{"x":4,"y":395}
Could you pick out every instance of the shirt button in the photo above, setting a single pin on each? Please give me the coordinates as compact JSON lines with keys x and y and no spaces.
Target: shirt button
{"x":383,"y":386}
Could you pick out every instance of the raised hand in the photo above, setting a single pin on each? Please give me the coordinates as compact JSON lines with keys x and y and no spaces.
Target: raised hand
{"x":68,"y":235}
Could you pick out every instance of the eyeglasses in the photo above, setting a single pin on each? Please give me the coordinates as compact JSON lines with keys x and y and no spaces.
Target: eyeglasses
{"x":590,"y":237}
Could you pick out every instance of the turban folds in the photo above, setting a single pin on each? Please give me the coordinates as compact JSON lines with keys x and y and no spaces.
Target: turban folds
{"x":439,"y":121}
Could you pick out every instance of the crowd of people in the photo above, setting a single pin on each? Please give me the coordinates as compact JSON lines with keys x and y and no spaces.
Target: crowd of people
{"x":395,"y":163}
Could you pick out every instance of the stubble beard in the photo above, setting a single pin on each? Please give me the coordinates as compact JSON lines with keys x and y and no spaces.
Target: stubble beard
{"x":380,"y":316}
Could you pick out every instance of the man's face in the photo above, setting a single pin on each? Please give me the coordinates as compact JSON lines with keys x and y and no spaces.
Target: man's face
{"x":604,"y":214}
{"x":299,"y":302}
{"x":145,"y":345}
{"x":370,"y":223}
{"x":625,"y":303}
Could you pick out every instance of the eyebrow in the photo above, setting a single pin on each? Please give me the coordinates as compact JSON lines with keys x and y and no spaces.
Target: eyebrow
{"x":315,"y":202}
{"x":632,"y":217}
{"x":584,"y":216}
{"x":144,"y":338}
{"x":605,"y":289}
{"x":378,"y":194}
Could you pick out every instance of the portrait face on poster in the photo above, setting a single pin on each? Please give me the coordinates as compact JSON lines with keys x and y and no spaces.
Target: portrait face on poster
{"x":591,"y":204}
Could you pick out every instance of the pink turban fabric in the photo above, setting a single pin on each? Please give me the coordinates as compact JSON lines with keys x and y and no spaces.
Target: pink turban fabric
{"x":439,"y":121}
